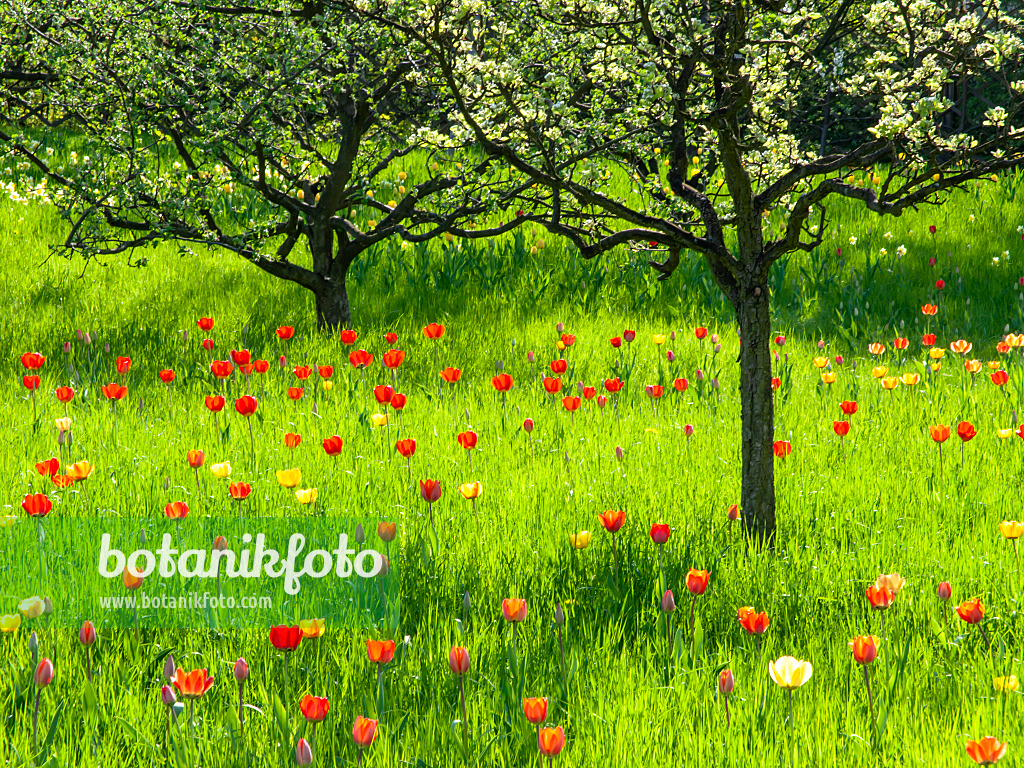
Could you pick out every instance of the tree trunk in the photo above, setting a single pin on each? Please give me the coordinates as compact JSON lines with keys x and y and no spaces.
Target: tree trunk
{"x":332,"y":308}
{"x":758,"y":410}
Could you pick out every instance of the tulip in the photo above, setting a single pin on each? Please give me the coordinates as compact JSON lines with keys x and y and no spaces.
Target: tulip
{"x":451,"y":375}
{"x":986,"y":751}
{"x":192,"y":685}
{"x":31,"y":607}
{"x":65,"y":394}
{"x":999,"y":378}
{"x":303,"y":753}
{"x":754,"y":623}
{"x":726,"y":684}
{"x":314,"y":708}
{"x":285,"y":638}
{"x":222,"y":470}
{"x":536,"y":710}
{"x":397,"y":401}
{"x":131,"y":579}
{"x":176,"y":510}
{"x":380,"y":652}
{"x":551,"y":741}
{"x":333,"y":445}
{"x":971,"y":611}
{"x":893,"y":581}
{"x":292,"y":440}
{"x":660,"y":533}
{"x":311,"y":628}
{"x":348,"y":337}
{"x":880,"y":597}
{"x":841,"y":428}
{"x":168,"y":697}
{"x":289,"y":478}
{"x":306,"y":495}
{"x":782,"y":448}
{"x":945,"y":591}
{"x":387,"y":531}
{"x":579,"y":540}
{"x":37,"y":504}
{"x":364,"y":731}
{"x":1006,"y":684}
{"x":10,"y":622}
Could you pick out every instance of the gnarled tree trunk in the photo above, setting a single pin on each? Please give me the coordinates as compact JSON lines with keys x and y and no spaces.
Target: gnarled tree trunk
{"x":757,"y":409}
{"x":333,"y":311}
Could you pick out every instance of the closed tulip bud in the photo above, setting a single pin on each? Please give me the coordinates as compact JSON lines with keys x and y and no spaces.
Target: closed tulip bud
{"x":619,"y":453}
{"x":78,"y":334}
{"x":33,"y":644}
{"x":601,"y":400}
{"x":821,"y":344}
{"x":167,"y":483}
{"x":106,"y":348}
{"x":88,"y":338}
{"x":184,"y":337}
{"x":726,"y":682}
{"x":47,"y":606}
{"x":531,"y":357}
{"x":360,"y":534}
{"x":668,"y":601}
{"x":714,"y":338}
{"x":528,"y":425}
{"x":169,"y":667}
{"x":945,"y":591}
{"x":559,"y":615}
{"x":466,"y":600}
{"x":734,"y":512}
{"x":167,"y":696}
{"x":560,"y":327}
{"x":718,"y":348}
{"x":87,"y":634}
{"x":44,"y":673}
{"x":670,"y":356}
{"x":241,"y":670}
{"x":303,"y":753}
{"x":688,"y":430}
{"x":672,"y":335}
{"x":699,"y":375}
{"x":67,"y":347}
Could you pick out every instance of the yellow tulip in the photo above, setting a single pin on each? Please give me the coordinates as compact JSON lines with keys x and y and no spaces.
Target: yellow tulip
{"x":829,"y":377}
{"x":789,"y":673}
{"x":63,"y":424}
{"x":890,"y":382}
{"x":328,"y":385}
{"x":6,"y":521}
{"x":80,"y":470}
{"x":311,"y":627}
{"x":222,"y":470}
{"x":1011,"y":529}
{"x":820,"y":362}
{"x":935,"y":177}
{"x":401,"y":191}
{"x":994,"y":365}
{"x":879,"y":371}
{"x":289,"y":478}
{"x":402,"y":176}
{"x":10,"y":622}
{"x":659,"y":339}
{"x":379,"y":419}
{"x":1005,"y":684}
{"x":936,"y":367}
{"x":392,"y":203}
{"x":471,"y":490}
{"x":936,"y":353}
{"x":1002,"y":434}
{"x":910,"y":379}
{"x":306,"y":495}
{"x":972,"y":366}
{"x":580,"y":540}
{"x":32,"y":607}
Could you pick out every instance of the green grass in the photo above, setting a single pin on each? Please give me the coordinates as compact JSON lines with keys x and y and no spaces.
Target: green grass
{"x":876,"y":505}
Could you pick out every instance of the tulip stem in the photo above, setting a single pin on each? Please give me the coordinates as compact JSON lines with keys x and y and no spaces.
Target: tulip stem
{"x":252,"y":442}
{"x":561,"y":651}
{"x":790,"y":692}
{"x":35,"y":720}
{"x":465,"y":725}
{"x":668,"y":632}
{"x":88,"y":664}
{"x":727,"y":723}
{"x":241,"y":713}
{"x":693,"y":628}
{"x":871,"y":703}
{"x":615,"y":556}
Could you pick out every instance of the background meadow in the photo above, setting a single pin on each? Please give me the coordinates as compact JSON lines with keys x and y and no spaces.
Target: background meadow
{"x":627,"y":695}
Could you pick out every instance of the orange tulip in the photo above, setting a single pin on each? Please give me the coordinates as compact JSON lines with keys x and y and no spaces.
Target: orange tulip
{"x":865,"y":649}
{"x":971,"y":611}
{"x":536,"y":710}
{"x":513,"y":609}
{"x":196,"y":459}
{"x":451,"y":375}
{"x":986,"y":751}
{"x":551,"y":741}
{"x":291,"y":440}
{"x":192,"y":684}
{"x":755,"y":623}
{"x":176,"y":510}
{"x":972,"y":366}
{"x":880,"y":597}
{"x":939,"y":432}
{"x":961,"y":347}
{"x":458,"y":660}
{"x":612,"y":520}
{"x":130,"y":579}
{"x":876,"y":348}
{"x":552,"y":385}
{"x":364,"y":731}
{"x":434,"y":331}
{"x":697,"y":581}
{"x":314,"y":708}
{"x":380,"y":651}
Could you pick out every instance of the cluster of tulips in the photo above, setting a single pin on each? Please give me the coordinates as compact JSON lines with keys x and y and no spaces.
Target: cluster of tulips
{"x":788,"y":672}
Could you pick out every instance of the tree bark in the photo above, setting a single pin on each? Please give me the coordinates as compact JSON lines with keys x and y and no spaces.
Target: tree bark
{"x":757,"y":410}
{"x":332,"y":308}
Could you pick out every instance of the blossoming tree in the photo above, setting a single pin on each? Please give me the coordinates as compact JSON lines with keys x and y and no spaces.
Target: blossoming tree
{"x":694,"y":100}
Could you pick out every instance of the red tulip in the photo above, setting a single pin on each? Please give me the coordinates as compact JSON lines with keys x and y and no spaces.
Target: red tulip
{"x":114,"y":391}
{"x":406,"y":447}
{"x":48,"y":468}
{"x":552,"y":385}
{"x":239,"y":491}
{"x":568,"y":339}
{"x":205,"y":323}
{"x":123,"y":364}
{"x":782,"y":448}
{"x":364,"y":731}
{"x":753,"y":622}
{"x":570,"y":403}
{"x":397,"y":401}
{"x":502,"y":382}
{"x":616,"y":342}
{"x":87,"y":634}
{"x":458,"y":660}
{"x":292,"y":440}
{"x":208,"y":345}
{"x":360,"y":359}
{"x":660,"y":533}
{"x":390,"y":338}
{"x":842,"y":428}
{"x":31,"y":382}
{"x":928,"y":339}
{"x":215,"y":403}
{"x":940,"y":284}
{"x":966,"y":431}
{"x":654,"y":390}
{"x":776,"y":383}
{"x":999,"y":378}
{"x":314,"y":708}
{"x":880,"y":597}
{"x":971,"y":611}
{"x":222,"y":369}
{"x":33,"y":361}
{"x":325,"y":371}
{"x":467,"y":440}
{"x":589,"y":393}
{"x":393,"y":358}
{"x":430,"y":490}
{"x":986,"y":751}
{"x":285,"y":332}
{"x":380,"y":651}
{"x":383,"y":394}
{"x":302,"y":372}
{"x":285,"y":638}
{"x":176,"y":510}
{"x":348,"y":338}
{"x":246,"y":405}
{"x":945,"y":591}
{"x":451,"y":375}
{"x":166,"y":376}
{"x":613,"y":385}
{"x":612,"y":520}
{"x":900,"y":343}
{"x":681,"y":385}
{"x":65,"y":394}
{"x":240,"y":356}
{"x":296,"y":393}
{"x":434,"y":331}
{"x":37,"y":505}
{"x":559,"y":367}
{"x":261,"y":366}
{"x":629,"y":335}
{"x":700,"y":333}
{"x":849,"y":407}
{"x":333,"y":445}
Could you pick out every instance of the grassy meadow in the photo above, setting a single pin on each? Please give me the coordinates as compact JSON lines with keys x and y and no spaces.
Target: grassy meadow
{"x":628,"y":694}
